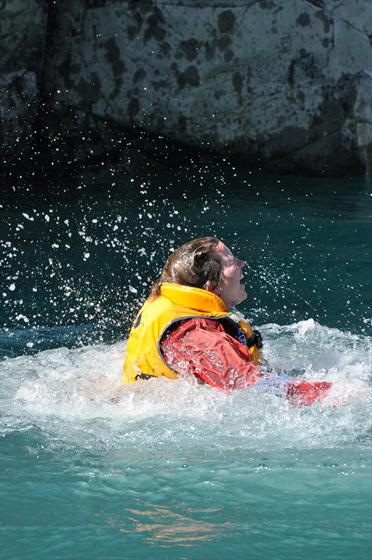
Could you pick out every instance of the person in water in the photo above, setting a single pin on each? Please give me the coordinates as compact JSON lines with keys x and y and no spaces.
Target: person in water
{"x":186,"y":327}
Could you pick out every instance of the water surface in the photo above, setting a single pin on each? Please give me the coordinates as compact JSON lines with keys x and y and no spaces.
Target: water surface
{"x":177,"y":470}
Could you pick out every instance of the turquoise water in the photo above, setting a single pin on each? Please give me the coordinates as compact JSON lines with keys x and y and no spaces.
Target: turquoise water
{"x":176,"y":470}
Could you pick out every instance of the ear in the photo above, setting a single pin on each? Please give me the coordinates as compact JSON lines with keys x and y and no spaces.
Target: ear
{"x":211,"y":287}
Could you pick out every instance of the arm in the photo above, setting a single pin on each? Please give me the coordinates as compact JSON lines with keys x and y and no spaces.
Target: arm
{"x":203,"y":348}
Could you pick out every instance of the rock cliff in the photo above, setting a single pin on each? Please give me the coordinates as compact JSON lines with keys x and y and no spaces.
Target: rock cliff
{"x":281,"y":84}
{"x":23,"y":25}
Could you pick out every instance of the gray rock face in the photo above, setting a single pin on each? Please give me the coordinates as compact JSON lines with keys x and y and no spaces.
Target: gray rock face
{"x":284,"y":84}
{"x":18,"y":114}
{"x":22,"y":40}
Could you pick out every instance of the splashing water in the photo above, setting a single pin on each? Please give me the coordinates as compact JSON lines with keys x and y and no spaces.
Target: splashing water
{"x":183,"y":457}
{"x":56,"y":389}
{"x":172,"y":469}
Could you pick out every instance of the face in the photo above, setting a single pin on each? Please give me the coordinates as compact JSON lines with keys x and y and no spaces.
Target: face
{"x":230,"y":288}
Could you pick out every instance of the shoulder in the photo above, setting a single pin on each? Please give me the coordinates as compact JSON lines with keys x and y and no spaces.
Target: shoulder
{"x":199,"y":323}
{"x":193,"y":327}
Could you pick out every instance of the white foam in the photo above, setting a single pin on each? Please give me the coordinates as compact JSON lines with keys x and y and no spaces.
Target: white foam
{"x":68,"y":392}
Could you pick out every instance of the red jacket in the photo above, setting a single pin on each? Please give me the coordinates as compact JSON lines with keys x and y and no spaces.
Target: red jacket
{"x":203,"y":348}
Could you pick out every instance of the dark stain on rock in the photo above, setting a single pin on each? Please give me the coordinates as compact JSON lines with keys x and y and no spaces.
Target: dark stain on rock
{"x":300,"y":96}
{"x":290,"y":75}
{"x":143,"y":6}
{"x":89,"y":91}
{"x":190,"y":48}
{"x":237,"y":81}
{"x":347,"y":90}
{"x":182,"y":124}
{"x":324,"y":19}
{"x":160,"y":84}
{"x":131,"y":32}
{"x":303,"y":19}
{"x":266,"y":4}
{"x":325,"y":43}
{"x":309,"y":67}
{"x":228,"y":55}
{"x":226,"y":21}
{"x":317,"y":121}
{"x":223,"y":42}
{"x":317,"y":3}
{"x":113,"y":57}
{"x":210,"y":51}
{"x":189,"y":77}
{"x":139,"y":75}
{"x":66,"y":69}
{"x":154,"y":29}
{"x":134,"y":28}
{"x":139,"y":19}
{"x":303,"y":67}
{"x":96,"y":3}
{"x":133,"y":107}
{"x":165,"y":49}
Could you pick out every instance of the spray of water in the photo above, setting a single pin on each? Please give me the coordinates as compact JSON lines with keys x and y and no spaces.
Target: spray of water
{"x":75,"y":397}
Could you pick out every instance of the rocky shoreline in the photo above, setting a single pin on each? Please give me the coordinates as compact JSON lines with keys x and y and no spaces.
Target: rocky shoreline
{"x":281,"y":85}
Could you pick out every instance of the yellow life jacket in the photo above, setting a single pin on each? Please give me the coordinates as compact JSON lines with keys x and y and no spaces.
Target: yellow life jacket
{"x":175,"y":303}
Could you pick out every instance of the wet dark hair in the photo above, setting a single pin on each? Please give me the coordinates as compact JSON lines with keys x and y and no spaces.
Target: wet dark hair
{"x":193,"y":264}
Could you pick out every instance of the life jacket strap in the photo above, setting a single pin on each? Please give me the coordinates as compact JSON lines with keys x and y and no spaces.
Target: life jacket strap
{"x":144,"y":376}
{"x":255,"y":340}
